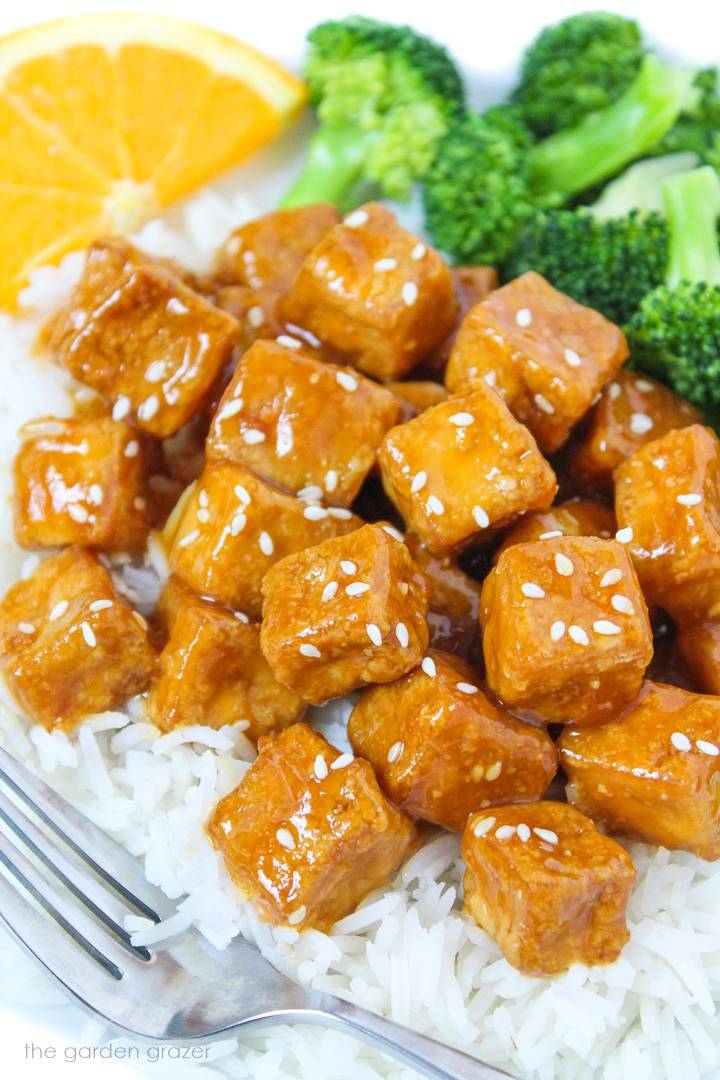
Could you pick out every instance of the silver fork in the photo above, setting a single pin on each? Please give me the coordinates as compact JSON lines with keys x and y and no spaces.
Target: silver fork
{"x":66,"y":890}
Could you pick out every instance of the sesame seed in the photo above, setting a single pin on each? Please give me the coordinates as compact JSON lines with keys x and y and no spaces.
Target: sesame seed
{"x":707,"y":748}
{"x":329,"y":591}
{"x":286,"y":839}
{"x":289,"y":342}
{"x":78,"y":513}
{"x":494,"y":771}
{"x":241,"y":616}
{"x":680,"y":741}
{"x":614,"y":391}
{"x":391,"y":531}
{"x":132,"y":448}
{"x":461,"y":419}
{"x":331,"y":480}
{"x":523,"y":832}
{"x":644,"y":386}
{"x":505,"y":832}
{"x":189,"y":538}
{"x":203,"y":515}
{"x":311,"y":491}
{"x":342,"y":761}
{"x":624,"y":536}
{"x":483,"y":826}
{"x":26,"y":628}
{"x":419,"y":481}
{"x":523,"y":317}
{"x":532,"y":591}
{"x":548,"y":835}
{"x":491,"y":378}
{"x":101,"y":605}
{"x":409,"y":293}
{"x":395,"y":751}
{"x":237,"y":524}
{"x":563,"y":565}
{"x":231,"y":409}
{"x":155,"y":371}
{"x":403,"y":588}
{"x":320,"y":767}
{"x":121,"y":408}
{"x":689,"y":500}
{"x":59,"y":610}
{"x":253,"y":436}
{"x":622,"y":604}
{"x":148,"y":408}
{"x":347,"y":381}
{"x":357,"y":218}
{"x":339,"y":512}
{"x":348,"y":567}
{"x":550,"y":535}
{"x":572,"y":358}
{"x":467,"y":688}
{"x":435,"y":506}
{"x":481,"y":518}
{"x":297,"y":916}
{"x":543,"y":404}
{"x":265,"y":543}
{"x":418,"y":251}
{"x":428,"y":666}
{"x":203,"y":498}
{"x":401,"y":633}
{"x":255,"y":316}
{"x":315,"y":513}
{"x":142,"y":623}
{"x":87,"y":633}
{"x":382,"y":265}
{"x":373,"y":632}
{"x":356,"y":588}
{"x":611,"y":578}
{"x":95,"y":494}
{"x":310,"y":650}
{"x":640,"y":424}
{"x":578,"y":635}
{"x":557,"y":630}
{"x":603,"y":626}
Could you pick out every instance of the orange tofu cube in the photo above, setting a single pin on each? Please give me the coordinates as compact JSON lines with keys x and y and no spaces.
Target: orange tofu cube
{"x":416,"y":397}
{"x":308,"y":832}
{"x":441,"y":749}
{"x":463,"y":466}
{"x":576,"y":517}
{"x":550,"y":888}
{"x":654,"y":773}
{"x":298,"y":422}
{"x":374,"y":292}
{"x":80,"y":481}
{"x":566,"y":634}
{"x":268,"y":252}
{"x":633,"y":410}
{"x":70,"y":646}
{"x":151,"y":346}
{"x":454,"y":604}
{"x":667,"y":502}
{"x":349,"y":611}
{"x":233,"y":527}
{"x":212,"y":671}
{"x":546,"y":355}
{"x":471,"y":284}
{"x":699,"y":647}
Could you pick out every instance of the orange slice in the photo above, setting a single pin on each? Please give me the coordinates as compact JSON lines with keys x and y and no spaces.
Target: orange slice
{"x":105,"y":119}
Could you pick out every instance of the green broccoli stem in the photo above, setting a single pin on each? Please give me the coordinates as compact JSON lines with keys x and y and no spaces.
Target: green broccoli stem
{"x":692,"y":207}
{"x":607,"y":140}
{"x":334,"y":162}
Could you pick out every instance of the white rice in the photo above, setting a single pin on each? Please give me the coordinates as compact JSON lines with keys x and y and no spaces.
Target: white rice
{"x":407,"y":952}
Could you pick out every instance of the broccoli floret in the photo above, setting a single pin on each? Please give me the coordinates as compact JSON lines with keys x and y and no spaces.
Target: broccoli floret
{"x":384,"y":96}
{"x":698,"y":129}
{"x":607,"y":265}
{"x":675,"y":334}
{"x":576,"y":67}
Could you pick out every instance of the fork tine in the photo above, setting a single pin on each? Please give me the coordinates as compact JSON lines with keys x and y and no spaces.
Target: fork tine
{"x":109,"y":859}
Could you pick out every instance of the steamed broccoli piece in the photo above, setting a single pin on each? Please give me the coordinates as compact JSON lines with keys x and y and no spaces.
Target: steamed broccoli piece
{"x":675,"y":334}
{"x":640,"y":186}
{"x":384,"y":96}
{"x":607,"y":265}
{"x":576,"y":67}
{"x":697,"y":129}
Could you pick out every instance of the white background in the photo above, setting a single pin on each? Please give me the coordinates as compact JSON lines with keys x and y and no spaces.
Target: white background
{"x":486,"y":37}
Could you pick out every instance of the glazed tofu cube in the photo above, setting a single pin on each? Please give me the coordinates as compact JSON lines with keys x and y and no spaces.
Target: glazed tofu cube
{"x":152,"y":347}
{"x":633,"y":410}
{"x":667,"y":502}
{"x":232,"y":527}
{"x":70,"y":646}
{"x":374,"y":292}
{"x":454,"y":604}
{"x":348,"y":612}
{"x":550,"y":888}
{"x":463,"y":466}
{"x":547,"y":356}
{"x":566,"y":634}
{"x":212,"y":671}
{"x":576,"y":517}
{"x":308,"y":832}
{"x":471,"y":284}
{"x":416,"y":397}
{"x":441,"y":749}
{"x":699,"y":647}
{"x":652,"y":774}
{"x":268,"y":252}
{"x":299,"y":423}
{"x":80,"y":481}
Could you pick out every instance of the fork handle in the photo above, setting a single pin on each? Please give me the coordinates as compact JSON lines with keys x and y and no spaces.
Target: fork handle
{"x":427,"y":1056}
